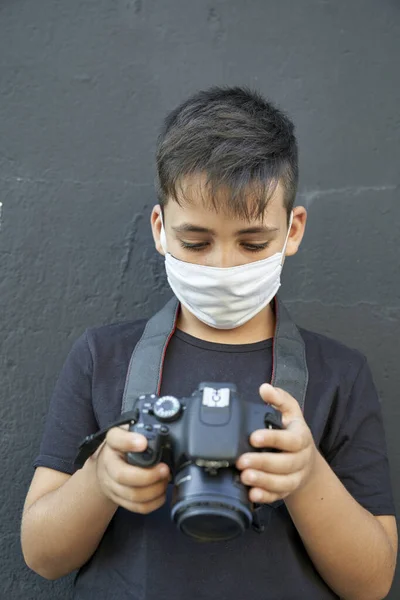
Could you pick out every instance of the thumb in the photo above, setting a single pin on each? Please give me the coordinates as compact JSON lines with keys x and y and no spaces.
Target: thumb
{"x":282,"y":401}
{"x":122,"y":440}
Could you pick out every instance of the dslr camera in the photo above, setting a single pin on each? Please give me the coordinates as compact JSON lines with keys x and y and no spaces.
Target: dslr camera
{"x":200,"y":438}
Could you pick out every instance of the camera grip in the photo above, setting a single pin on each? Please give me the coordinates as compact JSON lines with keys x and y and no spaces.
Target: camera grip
{"x":272,"y":420}
{"x":149,"y":457}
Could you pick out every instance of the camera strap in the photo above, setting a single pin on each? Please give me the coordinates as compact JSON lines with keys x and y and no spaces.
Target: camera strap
{"x":289,"y":366}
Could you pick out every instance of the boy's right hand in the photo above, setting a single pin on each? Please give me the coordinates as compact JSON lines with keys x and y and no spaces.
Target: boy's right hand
{"x":134,"y":488}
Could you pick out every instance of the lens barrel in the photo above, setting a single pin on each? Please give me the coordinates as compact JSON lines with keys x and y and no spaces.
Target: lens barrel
{"x":210,"y":507}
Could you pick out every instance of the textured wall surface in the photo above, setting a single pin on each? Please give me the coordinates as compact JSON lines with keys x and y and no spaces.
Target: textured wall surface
{"x":84,"y":85}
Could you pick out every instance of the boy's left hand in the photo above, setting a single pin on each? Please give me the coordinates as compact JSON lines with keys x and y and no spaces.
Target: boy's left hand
{"x":275,"y":475}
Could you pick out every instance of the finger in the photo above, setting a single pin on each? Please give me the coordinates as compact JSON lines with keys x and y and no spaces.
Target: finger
{"x":282,"y":463}
{"x":139,"y":495}
{"x":142,"y":508}
{"x":128,"y":475}
{"x":123,"y":441}
{"x":287,"y":440}
{"x":282,"y":401}
{"x":97,"y":452}
{"x":264,"y":497}
{"x":278,"y":484}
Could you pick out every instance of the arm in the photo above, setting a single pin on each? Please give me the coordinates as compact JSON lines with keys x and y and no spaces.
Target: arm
{"x":353,"y":551}
{"x":65,"y":516}
{"x":64,"y":520}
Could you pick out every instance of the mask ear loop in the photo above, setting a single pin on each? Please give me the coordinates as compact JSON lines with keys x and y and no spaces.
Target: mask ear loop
{"x":163,"y":237}
{"x":287,"y":237}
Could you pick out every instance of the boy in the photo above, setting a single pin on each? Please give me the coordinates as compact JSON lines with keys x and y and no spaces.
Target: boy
{"x":227,"y":170}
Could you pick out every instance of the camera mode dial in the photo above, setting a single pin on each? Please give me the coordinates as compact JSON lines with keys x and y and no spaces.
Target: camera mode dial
{"x":167,"y":409}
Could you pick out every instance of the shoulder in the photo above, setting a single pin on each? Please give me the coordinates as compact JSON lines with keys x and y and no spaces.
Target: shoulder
{"x":103,"y":347}
{"x":111,"y":332}
{"x":103,"y":353}
{"x":340,"y":392}
{"x":327,"y":355}
{"x":115,"y":339}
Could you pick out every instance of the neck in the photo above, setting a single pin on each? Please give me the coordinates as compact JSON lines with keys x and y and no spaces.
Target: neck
{"x":259,"y":328}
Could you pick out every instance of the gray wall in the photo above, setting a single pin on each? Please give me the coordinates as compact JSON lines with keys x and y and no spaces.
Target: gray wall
{"x":84,"y":85}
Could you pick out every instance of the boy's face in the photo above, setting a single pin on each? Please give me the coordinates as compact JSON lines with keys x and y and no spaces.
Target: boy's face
{"x":197,"y":233}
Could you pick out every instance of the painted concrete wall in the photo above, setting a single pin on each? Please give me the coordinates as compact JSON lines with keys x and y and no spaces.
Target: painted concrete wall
{"x":84,"y":85}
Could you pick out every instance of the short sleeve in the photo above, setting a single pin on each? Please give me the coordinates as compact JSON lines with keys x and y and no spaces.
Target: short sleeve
{"x":70,"y":416}
{"x":359,"y":454}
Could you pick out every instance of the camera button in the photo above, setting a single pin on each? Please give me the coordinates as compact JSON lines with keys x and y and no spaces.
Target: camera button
{"x":164,"y":429}
{"x":149,"y":427}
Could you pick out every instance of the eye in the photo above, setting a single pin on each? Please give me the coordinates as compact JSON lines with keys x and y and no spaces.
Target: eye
{"x":194,"y":247}
{"x":255,"y":247}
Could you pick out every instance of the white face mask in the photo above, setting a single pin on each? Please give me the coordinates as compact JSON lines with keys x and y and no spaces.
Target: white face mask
{"x":225,"y":297}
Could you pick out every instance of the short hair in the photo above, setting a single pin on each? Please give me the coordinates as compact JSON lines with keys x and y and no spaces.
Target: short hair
{"x":239,"y":140}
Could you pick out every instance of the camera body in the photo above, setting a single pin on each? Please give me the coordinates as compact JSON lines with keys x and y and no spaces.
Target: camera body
{"x":200,"y":438}
{"x":210,"y":428}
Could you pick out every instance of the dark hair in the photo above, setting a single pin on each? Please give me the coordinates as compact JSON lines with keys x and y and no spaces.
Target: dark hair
{"x":238,"y":140}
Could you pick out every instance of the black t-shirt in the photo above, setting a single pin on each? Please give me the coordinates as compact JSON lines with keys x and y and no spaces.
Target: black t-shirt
{"x":144,"y":557}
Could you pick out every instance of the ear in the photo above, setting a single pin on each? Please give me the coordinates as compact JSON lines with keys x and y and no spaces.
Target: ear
{"x":155,"y":222}
{"x":297,"y":230}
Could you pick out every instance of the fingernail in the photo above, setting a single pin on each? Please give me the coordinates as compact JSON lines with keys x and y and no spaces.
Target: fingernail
{"x":163,"y":470}
{"x":251,"y":476}
{"x":257,"y":495}
{"x":137,"y":443}
{"x":258,"y":438}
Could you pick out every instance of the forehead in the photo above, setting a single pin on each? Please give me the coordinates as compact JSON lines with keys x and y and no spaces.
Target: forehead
{"x":197,"y":198}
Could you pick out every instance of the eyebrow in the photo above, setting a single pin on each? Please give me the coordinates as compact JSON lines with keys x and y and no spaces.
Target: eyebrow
{"x":260,"y":229}
{"x":189,"y":228}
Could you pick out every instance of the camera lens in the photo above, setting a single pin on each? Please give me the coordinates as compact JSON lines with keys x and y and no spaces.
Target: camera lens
{"x":199,"y":523}
{"x":210,"y":507}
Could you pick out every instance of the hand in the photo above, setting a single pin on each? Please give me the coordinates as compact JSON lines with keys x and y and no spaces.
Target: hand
{"x":275,"y":475}
{"x":134,"y":488}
